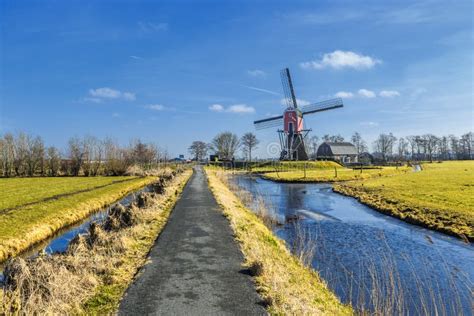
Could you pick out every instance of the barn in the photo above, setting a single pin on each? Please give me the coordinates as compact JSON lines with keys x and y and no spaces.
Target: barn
{"x":342,"y":152}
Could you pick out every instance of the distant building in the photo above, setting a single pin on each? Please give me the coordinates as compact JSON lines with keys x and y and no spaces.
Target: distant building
{"x":341,"y":152}
{"x":366,"y":158}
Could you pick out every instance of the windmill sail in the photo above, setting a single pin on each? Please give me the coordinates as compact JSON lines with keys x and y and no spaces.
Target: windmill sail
{"x":288,"y":90}
{"x":269,"y":122}
{"x":293,"y":133}
{"x":323,"y":106}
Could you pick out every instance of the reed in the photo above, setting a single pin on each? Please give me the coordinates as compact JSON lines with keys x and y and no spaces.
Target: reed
{"x":287,"y":286}
{"x":91,"y":277}
{"x":376,"y":286}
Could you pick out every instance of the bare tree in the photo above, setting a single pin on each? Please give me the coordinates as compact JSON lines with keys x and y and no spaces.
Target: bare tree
{"x":76,"y":155}
{"x":198,"y":150}
{"x":8,"y":154}
{"x":333,"y":138}
{"x":21,"y":152}
{"x":249,"y":142}
{"x":454,"y":145}
{"x":226,"y":144}
{"x":384,"y":145}
{"x":444,"y":147}
{"x":402,"y":148}
{"x":466,"y":143}
{"x":359,"y":143}
{"x":421,"y":147}
{"x":430,"y":142}
{"x":54,"y":161}
{"x":313,"y":146}
{"x":117,"y":159}
{"x":88,"y":145}
{"x":98,"y":156}
{"x":412,"y":141}
{"x":143,"y":154}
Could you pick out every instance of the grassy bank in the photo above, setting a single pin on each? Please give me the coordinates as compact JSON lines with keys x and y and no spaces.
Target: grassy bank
{"x":334,"y":174}
{"x":283,"y":166}
{"x":441,"y":197}
{"x":98,"y":267}
{"x":140,"y":240}
{"x":282,"y":280}
{"x":33,"y":209}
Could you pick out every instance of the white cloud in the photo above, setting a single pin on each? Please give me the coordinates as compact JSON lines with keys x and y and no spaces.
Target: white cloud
{"x":99,"y":94}
{"x":256,"y":73}
{"x":389,"y":93}
{"x":216,"y":108}
{"x":366,"y":93}
{"x":135,"y":57}
{"x":240,"y":108}
{"x":155,"y":107}
{"x":342,"y":59}
{"x":94,"y":100}
{"x":369,"y":124}
{"x":300,"y":102}
{"x":149,"y":27}
{"x":344,"y":95}
{"x":236,"y":108}
{"x":107,"y":93}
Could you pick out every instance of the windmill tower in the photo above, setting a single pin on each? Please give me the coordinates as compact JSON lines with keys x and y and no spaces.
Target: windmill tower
{"x":293,"y":134}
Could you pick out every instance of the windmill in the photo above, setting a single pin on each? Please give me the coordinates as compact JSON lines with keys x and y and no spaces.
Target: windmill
{"x":293,"y":134}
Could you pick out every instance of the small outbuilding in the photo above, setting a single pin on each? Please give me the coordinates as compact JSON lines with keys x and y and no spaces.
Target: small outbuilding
{"x":366,"y":158}
{"x":342,"y":152}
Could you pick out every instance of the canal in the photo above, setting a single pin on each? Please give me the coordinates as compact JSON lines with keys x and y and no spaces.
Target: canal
{"x":370,"y":260}
{"x":59,"y":242}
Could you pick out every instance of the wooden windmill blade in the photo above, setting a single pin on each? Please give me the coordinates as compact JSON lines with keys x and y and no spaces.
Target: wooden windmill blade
{"x":322,"y":106}
{"x":269,"y":122}
{"x":288,"y":90}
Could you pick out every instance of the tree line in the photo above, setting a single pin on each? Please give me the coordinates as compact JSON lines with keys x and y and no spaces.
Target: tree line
{"x":385,"y":148}
{"x":225,"y":145}
{"x":23,"y":154}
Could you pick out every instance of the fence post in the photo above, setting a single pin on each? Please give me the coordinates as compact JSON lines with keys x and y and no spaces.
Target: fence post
{"x":335,"y":172}
{"x":305,"y":169}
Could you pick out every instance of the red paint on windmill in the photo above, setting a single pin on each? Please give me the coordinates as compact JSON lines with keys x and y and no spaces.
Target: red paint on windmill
{"x":292,"y":121}
{"x":293,"y":134}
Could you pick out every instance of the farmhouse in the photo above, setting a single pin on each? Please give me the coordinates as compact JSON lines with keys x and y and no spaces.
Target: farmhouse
{"x":341,"y":152}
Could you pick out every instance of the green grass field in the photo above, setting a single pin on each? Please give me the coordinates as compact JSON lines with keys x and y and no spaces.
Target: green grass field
{"x":29,"y":213}
{"x":440,"y":197}
{"x":21,"y":191}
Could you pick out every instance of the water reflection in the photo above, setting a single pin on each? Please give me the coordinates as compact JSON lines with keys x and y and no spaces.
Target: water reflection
{"x":60,"y":241}
{"x":370,"y":259}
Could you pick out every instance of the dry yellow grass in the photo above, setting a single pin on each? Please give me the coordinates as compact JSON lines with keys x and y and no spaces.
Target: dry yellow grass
{"x":139,"y":240}
{"x":20,"y":228}
{"x":93,"y":275}
{"x":282,"y":280}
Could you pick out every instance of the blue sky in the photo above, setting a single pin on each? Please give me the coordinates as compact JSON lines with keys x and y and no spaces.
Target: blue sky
{"x":174,"y":72}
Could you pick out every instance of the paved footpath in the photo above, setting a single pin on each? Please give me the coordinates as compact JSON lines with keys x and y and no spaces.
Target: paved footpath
{"x":195,"y":265}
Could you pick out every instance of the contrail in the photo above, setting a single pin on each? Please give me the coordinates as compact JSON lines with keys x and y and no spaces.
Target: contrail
{"x":262,"y":90}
